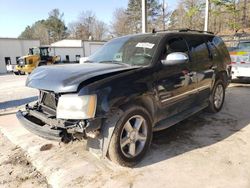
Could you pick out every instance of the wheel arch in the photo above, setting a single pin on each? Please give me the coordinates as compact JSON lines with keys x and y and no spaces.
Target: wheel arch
{"x":146,"y":102}
{"x":223,"y":76}
{"x":117,"y":111}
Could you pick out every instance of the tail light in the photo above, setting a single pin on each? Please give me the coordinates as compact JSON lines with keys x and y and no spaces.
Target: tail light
{"x":242,"y":62}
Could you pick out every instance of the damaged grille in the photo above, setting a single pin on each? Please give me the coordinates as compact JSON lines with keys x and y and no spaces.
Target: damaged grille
{"x":48,"y":101}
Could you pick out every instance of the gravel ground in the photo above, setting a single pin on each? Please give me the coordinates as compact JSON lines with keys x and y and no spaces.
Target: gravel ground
{"x":14,"y":93}
{"x":15,"y":169}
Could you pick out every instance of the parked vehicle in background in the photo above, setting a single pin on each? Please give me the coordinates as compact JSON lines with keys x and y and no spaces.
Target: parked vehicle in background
{"x":37,"y":56}
{"x":240,"y":61}
{"x":132,"y":86}
{"x":83,"y":60}
{"x":10,"y":67}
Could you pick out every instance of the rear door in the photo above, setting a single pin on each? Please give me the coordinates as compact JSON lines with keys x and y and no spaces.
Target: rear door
{"x":202,"y":64}
{"x":176,"y":88}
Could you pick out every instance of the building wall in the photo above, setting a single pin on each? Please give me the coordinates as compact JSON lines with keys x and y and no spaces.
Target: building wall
{"x":82,"y":48}
{"x":91,"y":46}
{"x":72,"y":52}
{"x":14,"y":48}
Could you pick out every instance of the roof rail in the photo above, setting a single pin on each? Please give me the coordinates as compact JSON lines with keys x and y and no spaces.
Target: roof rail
{"x":156,"y":31}
{"x":195,"y":30}
{"x":183,"y":30}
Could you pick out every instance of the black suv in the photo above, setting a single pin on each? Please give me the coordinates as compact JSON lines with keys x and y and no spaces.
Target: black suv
{"x":132,"y":86}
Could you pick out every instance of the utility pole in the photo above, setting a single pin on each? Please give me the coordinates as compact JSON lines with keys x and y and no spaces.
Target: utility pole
{"x":163,"y":14}
{"x":206,"y":16}
{"x":144,"y":15}
{"x":244,"y":17}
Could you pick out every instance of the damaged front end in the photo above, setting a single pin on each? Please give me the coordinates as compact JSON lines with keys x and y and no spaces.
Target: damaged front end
{"x":41,"y":118}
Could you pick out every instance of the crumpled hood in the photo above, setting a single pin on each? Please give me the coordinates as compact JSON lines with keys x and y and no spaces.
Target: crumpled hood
{"x":66,"y":78}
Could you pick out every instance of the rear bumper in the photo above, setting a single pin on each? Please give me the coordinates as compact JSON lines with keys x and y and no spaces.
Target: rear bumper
{"x":42,"y":131}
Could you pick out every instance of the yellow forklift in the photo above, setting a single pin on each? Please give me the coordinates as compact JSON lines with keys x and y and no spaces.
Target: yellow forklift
{"x":38,"y":56}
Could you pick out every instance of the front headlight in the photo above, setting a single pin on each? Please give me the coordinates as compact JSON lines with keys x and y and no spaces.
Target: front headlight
{"x":72,"y":106}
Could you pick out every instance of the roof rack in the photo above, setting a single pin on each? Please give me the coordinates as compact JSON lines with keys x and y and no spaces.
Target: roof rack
{"x":183,"y":30}
{"x":194,"y":30}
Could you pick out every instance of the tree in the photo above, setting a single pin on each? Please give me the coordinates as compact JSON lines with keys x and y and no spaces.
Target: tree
{"x":87,"y":26}
{"x":56,"y":26}
{"x":37,"y":31}
{"x":134,"y":14}
{"x":120,"y":23}
{"x":50,"y":30}
{"x":27,"y":33}
{"x":189,"y":14}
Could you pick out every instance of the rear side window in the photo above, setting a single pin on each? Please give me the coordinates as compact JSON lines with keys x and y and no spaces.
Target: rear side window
{"x":198,"y":49}
{"x":221,"y":47}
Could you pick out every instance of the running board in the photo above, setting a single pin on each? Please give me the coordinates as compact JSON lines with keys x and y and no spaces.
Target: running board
{"x":166,"y":123}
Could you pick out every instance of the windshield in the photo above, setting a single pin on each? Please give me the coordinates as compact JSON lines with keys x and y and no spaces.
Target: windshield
{"x":44,"y":51}
{"x":244,"y":46}
{"x":39,"y":51}
{"x":35,"y":51}
{"x":129,"y":50}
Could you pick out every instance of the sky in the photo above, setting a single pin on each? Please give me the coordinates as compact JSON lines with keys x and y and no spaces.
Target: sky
{"x":15,"y":15}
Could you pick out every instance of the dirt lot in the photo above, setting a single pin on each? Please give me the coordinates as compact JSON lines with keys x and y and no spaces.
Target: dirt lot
{"x":15,"y":169}
{"x":207,"y":150}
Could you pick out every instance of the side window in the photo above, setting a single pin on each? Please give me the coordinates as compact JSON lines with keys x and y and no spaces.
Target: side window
{"x":175,"y":45}
{"x":67,"y":58}
{"x":221,"y":47}
{"x":7,"y":61}
{"x":198,"y":49}
{"x":78,"y":58}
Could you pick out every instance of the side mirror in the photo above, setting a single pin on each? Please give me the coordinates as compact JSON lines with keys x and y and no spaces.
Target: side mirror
{"x":175,"y":58}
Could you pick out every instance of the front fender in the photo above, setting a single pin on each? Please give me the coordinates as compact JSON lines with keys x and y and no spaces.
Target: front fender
{"x":99,"y":146}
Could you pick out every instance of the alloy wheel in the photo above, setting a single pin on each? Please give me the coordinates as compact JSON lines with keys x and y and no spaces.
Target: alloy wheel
{"x":133,"y":136}
{"x":218,"y":96}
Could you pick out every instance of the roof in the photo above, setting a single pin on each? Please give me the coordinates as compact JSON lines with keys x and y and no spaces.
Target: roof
{"x":6,"y":38}
{"x":73,"y":43}
{"x":68,"y":43}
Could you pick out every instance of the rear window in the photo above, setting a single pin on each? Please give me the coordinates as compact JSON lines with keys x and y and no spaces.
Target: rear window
{"x":244,"y":46}
{"x":221,"y":47}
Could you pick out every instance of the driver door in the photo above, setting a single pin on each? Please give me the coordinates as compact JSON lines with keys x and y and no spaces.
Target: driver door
{"x":176,"y":84}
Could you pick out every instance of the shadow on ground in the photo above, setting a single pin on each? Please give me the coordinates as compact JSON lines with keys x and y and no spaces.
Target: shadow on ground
{"x":201,"y":130}
{"x":16,"y":103}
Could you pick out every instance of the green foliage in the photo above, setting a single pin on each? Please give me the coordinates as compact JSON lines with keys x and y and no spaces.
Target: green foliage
{"x":55,"y":25}
{"x":133,"y":12}
{"x":49,"y":30}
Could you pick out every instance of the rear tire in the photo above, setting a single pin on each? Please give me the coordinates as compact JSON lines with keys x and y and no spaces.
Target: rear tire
{"x":217,"y":97}
{"x":132,"y":137}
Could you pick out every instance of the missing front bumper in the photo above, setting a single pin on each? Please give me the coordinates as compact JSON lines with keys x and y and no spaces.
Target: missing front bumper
{"x":56,"y":129}
{"x":42,"y":131}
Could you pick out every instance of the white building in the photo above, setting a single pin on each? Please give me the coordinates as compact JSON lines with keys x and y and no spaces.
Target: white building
{"x":11,"y":49}
{"x":68,"y":49}
{"x":72,"y":50}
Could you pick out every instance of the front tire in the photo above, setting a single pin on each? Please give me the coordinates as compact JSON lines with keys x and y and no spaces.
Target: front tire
{"x":132,"y":137}
{"x":217,"y":97}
